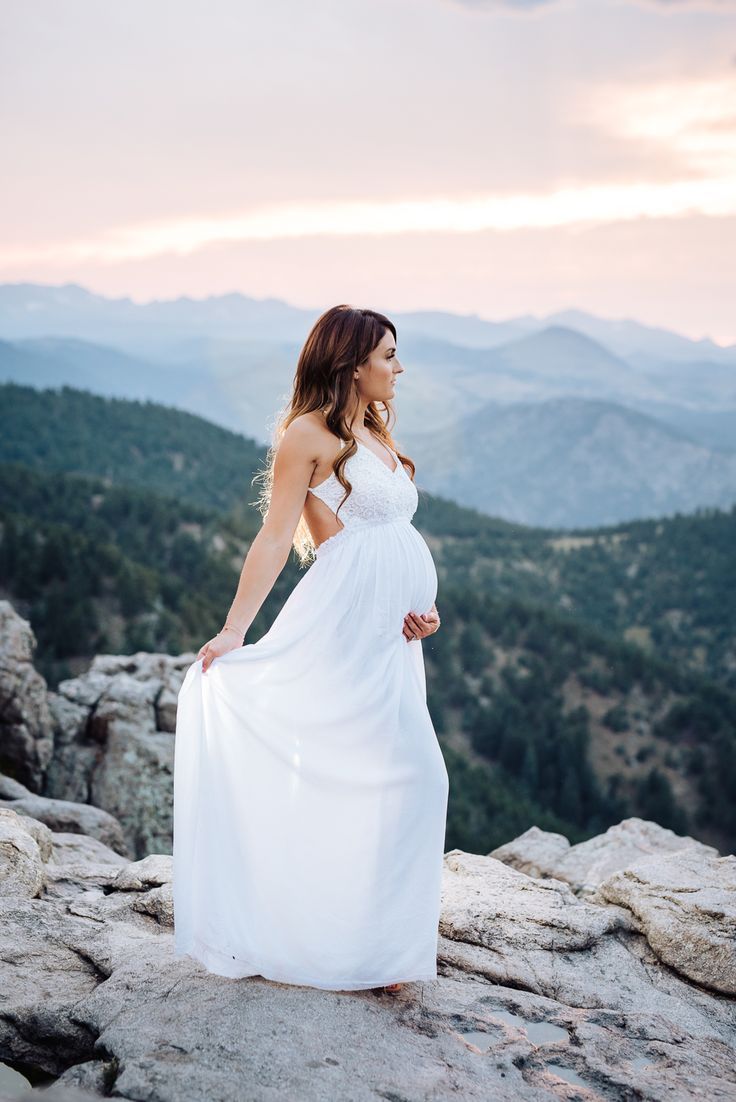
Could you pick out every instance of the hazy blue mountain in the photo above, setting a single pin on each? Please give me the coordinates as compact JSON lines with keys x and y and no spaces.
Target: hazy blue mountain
{"x":716,"y":428}
{"x":231,"y":359}
{"x":154,"y":328}
{"x":234,"y":385}
{"x":28,"y":310}
{"x":33,"y":310}
{"x":563,"y":358}
{"x":643,"y":343}
{"x":243,"y":384}
{"x":463,"y":329}
{"x":571,"y":462}
{"x":701,"y":385}
{"x":552,"y":362}
{"x":56,"y":362}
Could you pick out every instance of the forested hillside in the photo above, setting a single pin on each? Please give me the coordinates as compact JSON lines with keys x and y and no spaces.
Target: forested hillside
{"x":667,"y":585}
{"x":540,"y":708}
{"x":100,"y":568}
{"x":135,"y":443}
{"x":564,"y":690}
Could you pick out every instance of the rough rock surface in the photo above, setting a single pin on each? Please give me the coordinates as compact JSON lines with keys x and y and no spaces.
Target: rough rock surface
{"x":63,"y":815}
{"x":105,"y":738}
{"x":542,"y":994}
{"x":27,"y":742}
{"x":114,"y":729}
{"x":21,"y":863}
{"x":584,"y":866}
{"x":604,"y":970}
{"x":686,"y":907}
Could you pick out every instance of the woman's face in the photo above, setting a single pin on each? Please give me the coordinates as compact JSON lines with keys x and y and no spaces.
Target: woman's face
{"x":377,"y":376}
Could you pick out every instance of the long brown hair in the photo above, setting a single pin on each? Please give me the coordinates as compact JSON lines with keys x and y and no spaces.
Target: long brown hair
{"x":341,"y":339}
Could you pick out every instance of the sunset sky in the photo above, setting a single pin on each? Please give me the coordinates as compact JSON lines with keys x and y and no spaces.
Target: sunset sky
{"x":484,"y":157}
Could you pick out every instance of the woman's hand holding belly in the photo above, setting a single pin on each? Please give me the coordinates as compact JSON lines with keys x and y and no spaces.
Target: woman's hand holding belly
{"x":419,"y":625}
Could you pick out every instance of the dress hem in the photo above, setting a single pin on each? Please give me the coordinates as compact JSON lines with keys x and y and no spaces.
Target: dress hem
{"x":209,"y":958}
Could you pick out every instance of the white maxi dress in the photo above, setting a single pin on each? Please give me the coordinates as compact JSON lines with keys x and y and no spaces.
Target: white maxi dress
{"x":310,"y":791}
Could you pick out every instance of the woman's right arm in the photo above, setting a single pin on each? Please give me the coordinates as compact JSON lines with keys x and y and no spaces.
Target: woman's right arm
{"x":294,"y":463}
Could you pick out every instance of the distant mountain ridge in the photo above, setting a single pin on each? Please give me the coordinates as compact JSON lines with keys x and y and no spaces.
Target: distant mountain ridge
{"x":32,"y":309}
{"x":572,"y":462}
{"x":633,"y":340}
{"x":231,"y":359}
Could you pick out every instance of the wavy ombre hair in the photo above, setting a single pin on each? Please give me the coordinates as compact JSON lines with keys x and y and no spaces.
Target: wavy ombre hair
{"x":340,"y":340}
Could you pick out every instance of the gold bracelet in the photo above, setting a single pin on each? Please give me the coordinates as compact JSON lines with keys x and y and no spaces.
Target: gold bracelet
{"x":231,"y":627}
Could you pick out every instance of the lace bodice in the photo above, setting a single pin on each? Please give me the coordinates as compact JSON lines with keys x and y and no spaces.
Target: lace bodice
{"x":378,"y":493}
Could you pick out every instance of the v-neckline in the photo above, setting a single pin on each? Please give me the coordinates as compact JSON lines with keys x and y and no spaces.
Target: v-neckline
{"x":371,"y":452}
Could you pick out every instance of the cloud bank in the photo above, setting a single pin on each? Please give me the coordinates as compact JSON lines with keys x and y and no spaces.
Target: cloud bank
{"x":531,"y":5}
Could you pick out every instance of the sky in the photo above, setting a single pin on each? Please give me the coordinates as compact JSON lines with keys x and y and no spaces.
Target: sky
{"x":479,"y":156}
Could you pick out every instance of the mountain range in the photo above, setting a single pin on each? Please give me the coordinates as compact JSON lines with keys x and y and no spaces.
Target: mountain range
{"x":568,"y":420}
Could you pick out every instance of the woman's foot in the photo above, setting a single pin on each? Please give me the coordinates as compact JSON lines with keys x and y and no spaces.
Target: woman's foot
{"x":392,"y":988}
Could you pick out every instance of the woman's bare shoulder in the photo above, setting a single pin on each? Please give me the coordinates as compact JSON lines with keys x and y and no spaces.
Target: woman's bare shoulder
{"x":309,"y":433}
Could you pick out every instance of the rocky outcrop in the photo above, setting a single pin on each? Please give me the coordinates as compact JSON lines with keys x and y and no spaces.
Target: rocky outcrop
{"x":27,"y":742}
{"x":21,"y":861}
{"x":63,"y":815}
{"x":685,"y":905}
{"x":604,"y":970}
{"x":584,"y":866}
{"x":105,"y":739}
{"x":679,"y":890}
{"x":543,"y":993}
{"x":114,"y":742}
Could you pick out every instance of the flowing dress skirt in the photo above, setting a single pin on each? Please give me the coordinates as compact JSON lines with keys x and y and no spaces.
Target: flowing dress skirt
{"x":310,"y":791}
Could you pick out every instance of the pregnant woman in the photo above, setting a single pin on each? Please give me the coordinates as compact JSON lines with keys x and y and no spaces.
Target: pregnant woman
{"x":310,"y":792}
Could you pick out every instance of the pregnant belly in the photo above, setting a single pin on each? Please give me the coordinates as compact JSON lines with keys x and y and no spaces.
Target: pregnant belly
{"x":424,"y":578}
{"x":409,"y":580}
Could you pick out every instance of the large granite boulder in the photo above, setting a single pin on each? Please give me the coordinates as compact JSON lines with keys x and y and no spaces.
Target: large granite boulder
{"x":685,"y":905}
{"x":105,"y":738}
{"x":63,"y":815}
{"x":114,"y":743}
{"x":26,"y":742}
{"x":585,"y":865}
{"x":21,"y":861}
